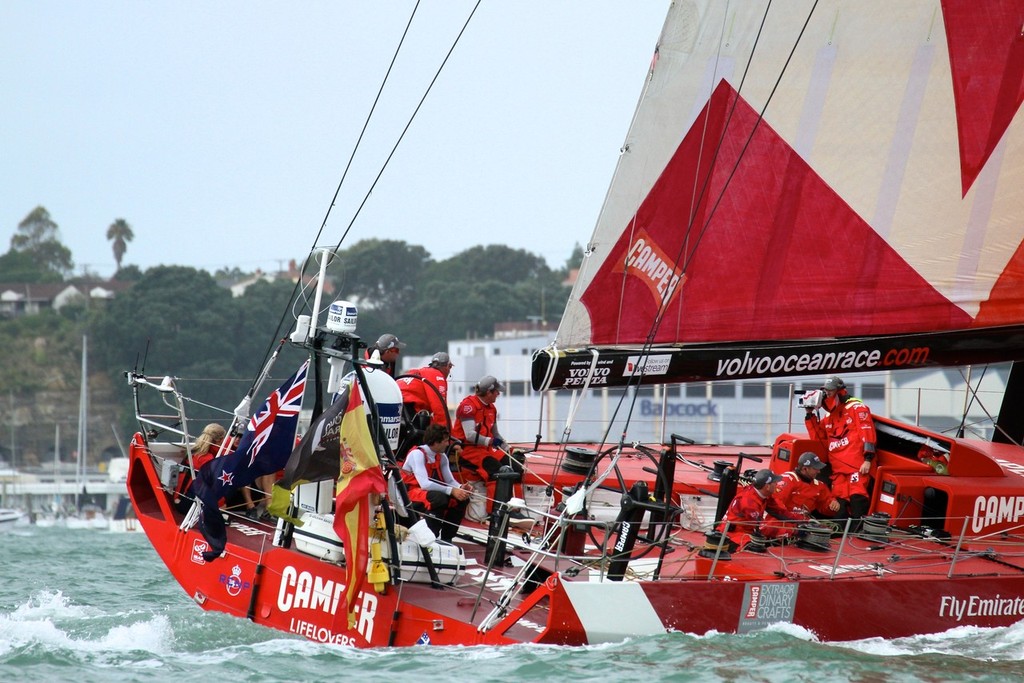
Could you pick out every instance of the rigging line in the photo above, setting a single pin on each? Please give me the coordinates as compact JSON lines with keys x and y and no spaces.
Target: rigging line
{"x":705,"y":187}
{"x":696,"y":195}
{"x":972,"y":397}
{"x":366,"y":123}
{"x":699,"y":195}
{"x":753,"y":131}
{"x":656,"y":323}
{"x":348,"y":166}
{"x":408,"y":124}
{"x":707,"y":181}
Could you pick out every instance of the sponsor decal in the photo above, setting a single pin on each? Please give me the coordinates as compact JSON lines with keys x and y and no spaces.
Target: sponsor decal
{"x":620,"y":545}
{"x":952,"y":607}
{"x":646,"y":365}
{"x":996,"y":510}
{"x":646,"y":261}
{"x":808,"y":363}
{"x":1012,"y":466}
{"x":836,"y":444}
{"x":766,"y":603}
{"x":199,"y":546}
{"x":578,"y":378}
{"x":303,"y":590}
{"x":579,"y":370}
{"x":234,"y":583}
{"x":649,"y":408}
{"x":320,"y":634}
{"x":390,"y":415}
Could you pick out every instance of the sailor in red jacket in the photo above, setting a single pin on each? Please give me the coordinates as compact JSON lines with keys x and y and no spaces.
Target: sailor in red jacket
{"x":431,"y":486}
{"x":800,"y":494}
{"x":427,"y":389}
{"x":848,"y":434}
{"x":483,"y":448}
{"x":387,"y":347}
{"x":746,"y":512}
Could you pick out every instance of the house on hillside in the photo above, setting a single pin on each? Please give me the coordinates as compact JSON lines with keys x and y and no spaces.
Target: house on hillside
{"x":18,"y":299}
{"x":238,"y":284}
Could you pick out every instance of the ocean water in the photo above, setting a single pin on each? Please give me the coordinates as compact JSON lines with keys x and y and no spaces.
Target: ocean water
{"x":90,"y":606}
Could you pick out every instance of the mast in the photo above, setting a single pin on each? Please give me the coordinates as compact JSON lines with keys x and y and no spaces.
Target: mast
{"x":83,"y":413}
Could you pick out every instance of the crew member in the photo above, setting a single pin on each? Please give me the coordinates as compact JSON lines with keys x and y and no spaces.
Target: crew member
{"x":204,"y":450}
{"x":387,"y":348}
{"x":746,"y":512}
{"x":483,"y":454}
{"x":848,"y":434}
{"x":426,"y":389}
{"x":432,"y":488}
{"x":801,"y":494}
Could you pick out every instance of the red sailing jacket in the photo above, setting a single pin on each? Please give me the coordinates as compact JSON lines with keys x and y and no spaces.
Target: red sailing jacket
{"x":801,"y":497}
{"x":485,"y":415}
{"x":845,"y":429}
{"x":746,"y":512}
{"x":422,"y":397}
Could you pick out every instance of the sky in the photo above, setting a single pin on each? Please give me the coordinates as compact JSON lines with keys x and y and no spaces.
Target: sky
{"x":220,"y":131}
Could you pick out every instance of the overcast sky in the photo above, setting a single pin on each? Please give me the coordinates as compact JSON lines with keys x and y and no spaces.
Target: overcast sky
{"x":220,"y":130}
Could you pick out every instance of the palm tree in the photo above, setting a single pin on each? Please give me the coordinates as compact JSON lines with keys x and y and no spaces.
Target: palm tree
{"x":121,"y":233}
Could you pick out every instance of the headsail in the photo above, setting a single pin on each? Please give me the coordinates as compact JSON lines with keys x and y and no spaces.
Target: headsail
{"x":811,"y":187}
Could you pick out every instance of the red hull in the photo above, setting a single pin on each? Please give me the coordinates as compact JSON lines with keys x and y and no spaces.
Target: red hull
{"x":909,"y":584}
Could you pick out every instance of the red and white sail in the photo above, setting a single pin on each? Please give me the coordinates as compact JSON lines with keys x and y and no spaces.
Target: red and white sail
{"x":806,"y":170}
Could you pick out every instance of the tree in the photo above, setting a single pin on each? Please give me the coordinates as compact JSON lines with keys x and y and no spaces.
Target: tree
{"x":128,"y":274}
{"x":574,"y":261}
{"x":259,"y":324}
{"x":38,"y":237}
{"x":175,"y":320}
{"x":383,"y":278}
{"x":121,"y":233}
{"x":470,"y":292}
{"x":20,"y":267}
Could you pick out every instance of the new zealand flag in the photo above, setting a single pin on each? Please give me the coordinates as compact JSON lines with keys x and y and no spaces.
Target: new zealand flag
{"x":264,"y":449}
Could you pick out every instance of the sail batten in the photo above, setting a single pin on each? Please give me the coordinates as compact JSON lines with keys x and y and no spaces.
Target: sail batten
{"x":861,"y":176}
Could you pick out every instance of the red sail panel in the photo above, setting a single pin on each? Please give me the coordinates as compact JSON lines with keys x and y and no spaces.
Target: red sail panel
{"x":986,"y":55}
{"x":1005,"y":306}
{"x":771,"y":251}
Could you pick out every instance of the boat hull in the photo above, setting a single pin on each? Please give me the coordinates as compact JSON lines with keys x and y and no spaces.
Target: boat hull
{"x":300,"y":593}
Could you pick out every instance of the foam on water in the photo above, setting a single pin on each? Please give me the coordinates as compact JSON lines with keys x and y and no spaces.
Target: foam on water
{"x":984,"y":644}
{"x":102,"y":609}
{"x":49,"y":619}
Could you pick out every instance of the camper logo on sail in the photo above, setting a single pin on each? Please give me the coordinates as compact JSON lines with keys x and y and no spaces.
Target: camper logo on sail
{"x":649,"y":263}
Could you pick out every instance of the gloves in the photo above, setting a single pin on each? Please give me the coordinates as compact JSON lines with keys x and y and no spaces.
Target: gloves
{"x":496,"y":442}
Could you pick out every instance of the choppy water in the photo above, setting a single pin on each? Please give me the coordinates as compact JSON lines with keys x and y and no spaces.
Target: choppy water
{"x":89,"y":606}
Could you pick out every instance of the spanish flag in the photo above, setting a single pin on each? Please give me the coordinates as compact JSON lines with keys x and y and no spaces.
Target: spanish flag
{"x":360,"y":477}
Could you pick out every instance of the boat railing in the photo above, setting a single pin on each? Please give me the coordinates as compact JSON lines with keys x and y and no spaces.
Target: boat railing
{"x":557,"y":527}
{"x":964,"y":546}
{"x":174,"y":423}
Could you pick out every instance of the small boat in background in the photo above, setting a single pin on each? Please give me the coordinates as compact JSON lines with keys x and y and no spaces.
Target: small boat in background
{"x":9,"y":518}
{"x":124,"y":519}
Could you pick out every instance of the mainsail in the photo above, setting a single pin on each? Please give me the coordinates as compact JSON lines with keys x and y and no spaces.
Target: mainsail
{"x":810,"y":187}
